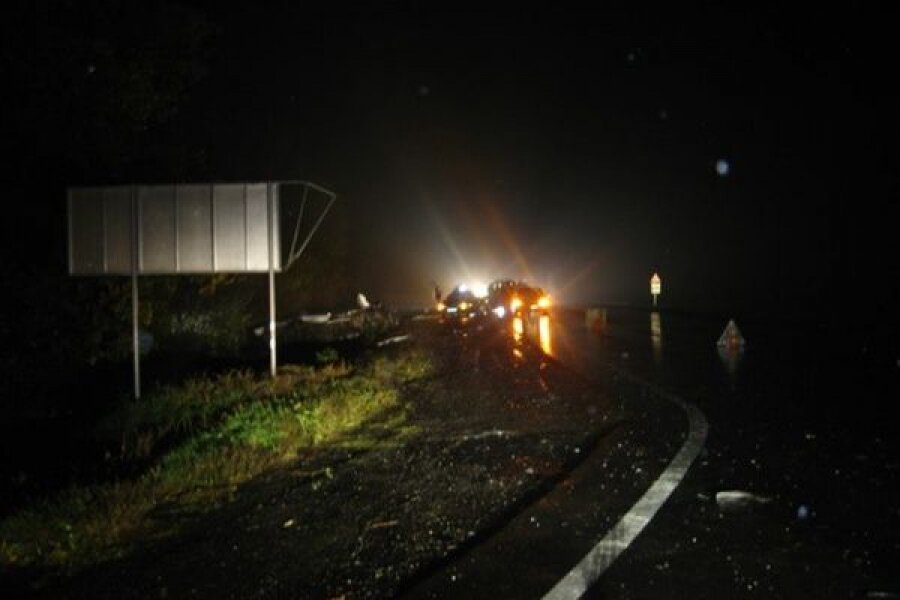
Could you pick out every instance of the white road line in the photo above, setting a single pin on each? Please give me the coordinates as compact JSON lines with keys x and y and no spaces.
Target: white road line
{"x":598,"y":560}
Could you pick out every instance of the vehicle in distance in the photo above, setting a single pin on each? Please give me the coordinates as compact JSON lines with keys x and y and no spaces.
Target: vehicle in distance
{"x":461,"y":305}
{"x":511,"y":298}
{"x":531,"y":300}
{"x":500,"y":297}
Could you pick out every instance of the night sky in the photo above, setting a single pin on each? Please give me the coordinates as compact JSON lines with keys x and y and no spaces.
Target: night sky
{"x":748,"y":156}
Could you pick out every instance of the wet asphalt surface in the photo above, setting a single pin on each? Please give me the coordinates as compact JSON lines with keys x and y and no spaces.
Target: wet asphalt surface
{"x":527,"y":446}
{"x":800,"y":420}
{"x":488,"y":442}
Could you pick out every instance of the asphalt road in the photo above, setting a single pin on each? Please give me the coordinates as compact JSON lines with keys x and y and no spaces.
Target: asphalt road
{"x":633,"y":444}
{"x":522,"y":465}
{"x":799,"y":428}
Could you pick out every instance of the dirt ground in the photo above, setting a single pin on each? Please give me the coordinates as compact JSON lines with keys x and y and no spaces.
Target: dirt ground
{"x":495,"y":427}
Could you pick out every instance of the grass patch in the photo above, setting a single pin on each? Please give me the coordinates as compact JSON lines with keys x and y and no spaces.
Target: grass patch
{"x":229,"y":429}
{"x":201,"y":403}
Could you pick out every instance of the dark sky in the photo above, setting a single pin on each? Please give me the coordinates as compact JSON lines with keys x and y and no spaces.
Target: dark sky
{"x":577,"y":149}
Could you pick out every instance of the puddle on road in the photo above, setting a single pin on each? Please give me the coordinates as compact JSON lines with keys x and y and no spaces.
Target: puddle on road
{"x":544,"y":335}
{"x":656,"y":336}
{"x":523,"y":328}
{"x":518,"y":329}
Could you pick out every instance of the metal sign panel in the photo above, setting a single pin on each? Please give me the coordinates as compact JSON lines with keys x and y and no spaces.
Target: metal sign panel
{"x":229,"y":228}
{"x":156,"y":229}
{"x":195,"y":235}
{"x":178,"y":229}
{"x":118,"y":229}
{"x":257,"y":214}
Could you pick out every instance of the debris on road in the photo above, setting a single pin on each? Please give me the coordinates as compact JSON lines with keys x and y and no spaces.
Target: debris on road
{"x":882,"y":594}
{"x":737,"y":499}
{"x":320,"y":318}
{"x":368,"y":323}
{"x":393,"y":340}
{"x":426,"y":317}
{"x":487,"y":434}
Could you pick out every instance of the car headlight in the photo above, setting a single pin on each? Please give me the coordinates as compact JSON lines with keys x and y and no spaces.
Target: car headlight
{"x":463,"y":305}
{"x":515,"y":304}
{"x":544,"y":302}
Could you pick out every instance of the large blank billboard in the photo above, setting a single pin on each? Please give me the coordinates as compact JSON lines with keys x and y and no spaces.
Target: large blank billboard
{"x":172,"y":229}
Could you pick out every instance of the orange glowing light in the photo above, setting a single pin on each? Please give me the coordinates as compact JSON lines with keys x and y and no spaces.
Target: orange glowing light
{"x":544,"y":335}
{"x":544,"y":302}
{"x":518,"y":329}
{"x":515,"y":304}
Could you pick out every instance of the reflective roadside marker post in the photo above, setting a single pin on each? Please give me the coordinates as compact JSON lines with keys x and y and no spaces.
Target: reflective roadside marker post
{"x":655,"y":287}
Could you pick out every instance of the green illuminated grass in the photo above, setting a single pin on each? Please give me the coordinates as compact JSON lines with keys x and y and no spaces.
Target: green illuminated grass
{"x":228,"y":430}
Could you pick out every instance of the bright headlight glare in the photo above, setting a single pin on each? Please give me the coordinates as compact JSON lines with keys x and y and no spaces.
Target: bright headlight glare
{"x":544,"y":302}
{"x":515,"y":304}
{"x":463,"y":305}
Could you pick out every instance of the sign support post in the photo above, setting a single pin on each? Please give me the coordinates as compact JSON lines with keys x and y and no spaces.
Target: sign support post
{"x":135,"y":330}
{"x":271,"y":228}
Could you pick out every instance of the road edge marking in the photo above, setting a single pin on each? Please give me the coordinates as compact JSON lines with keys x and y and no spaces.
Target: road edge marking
{"x":577,"y":581}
